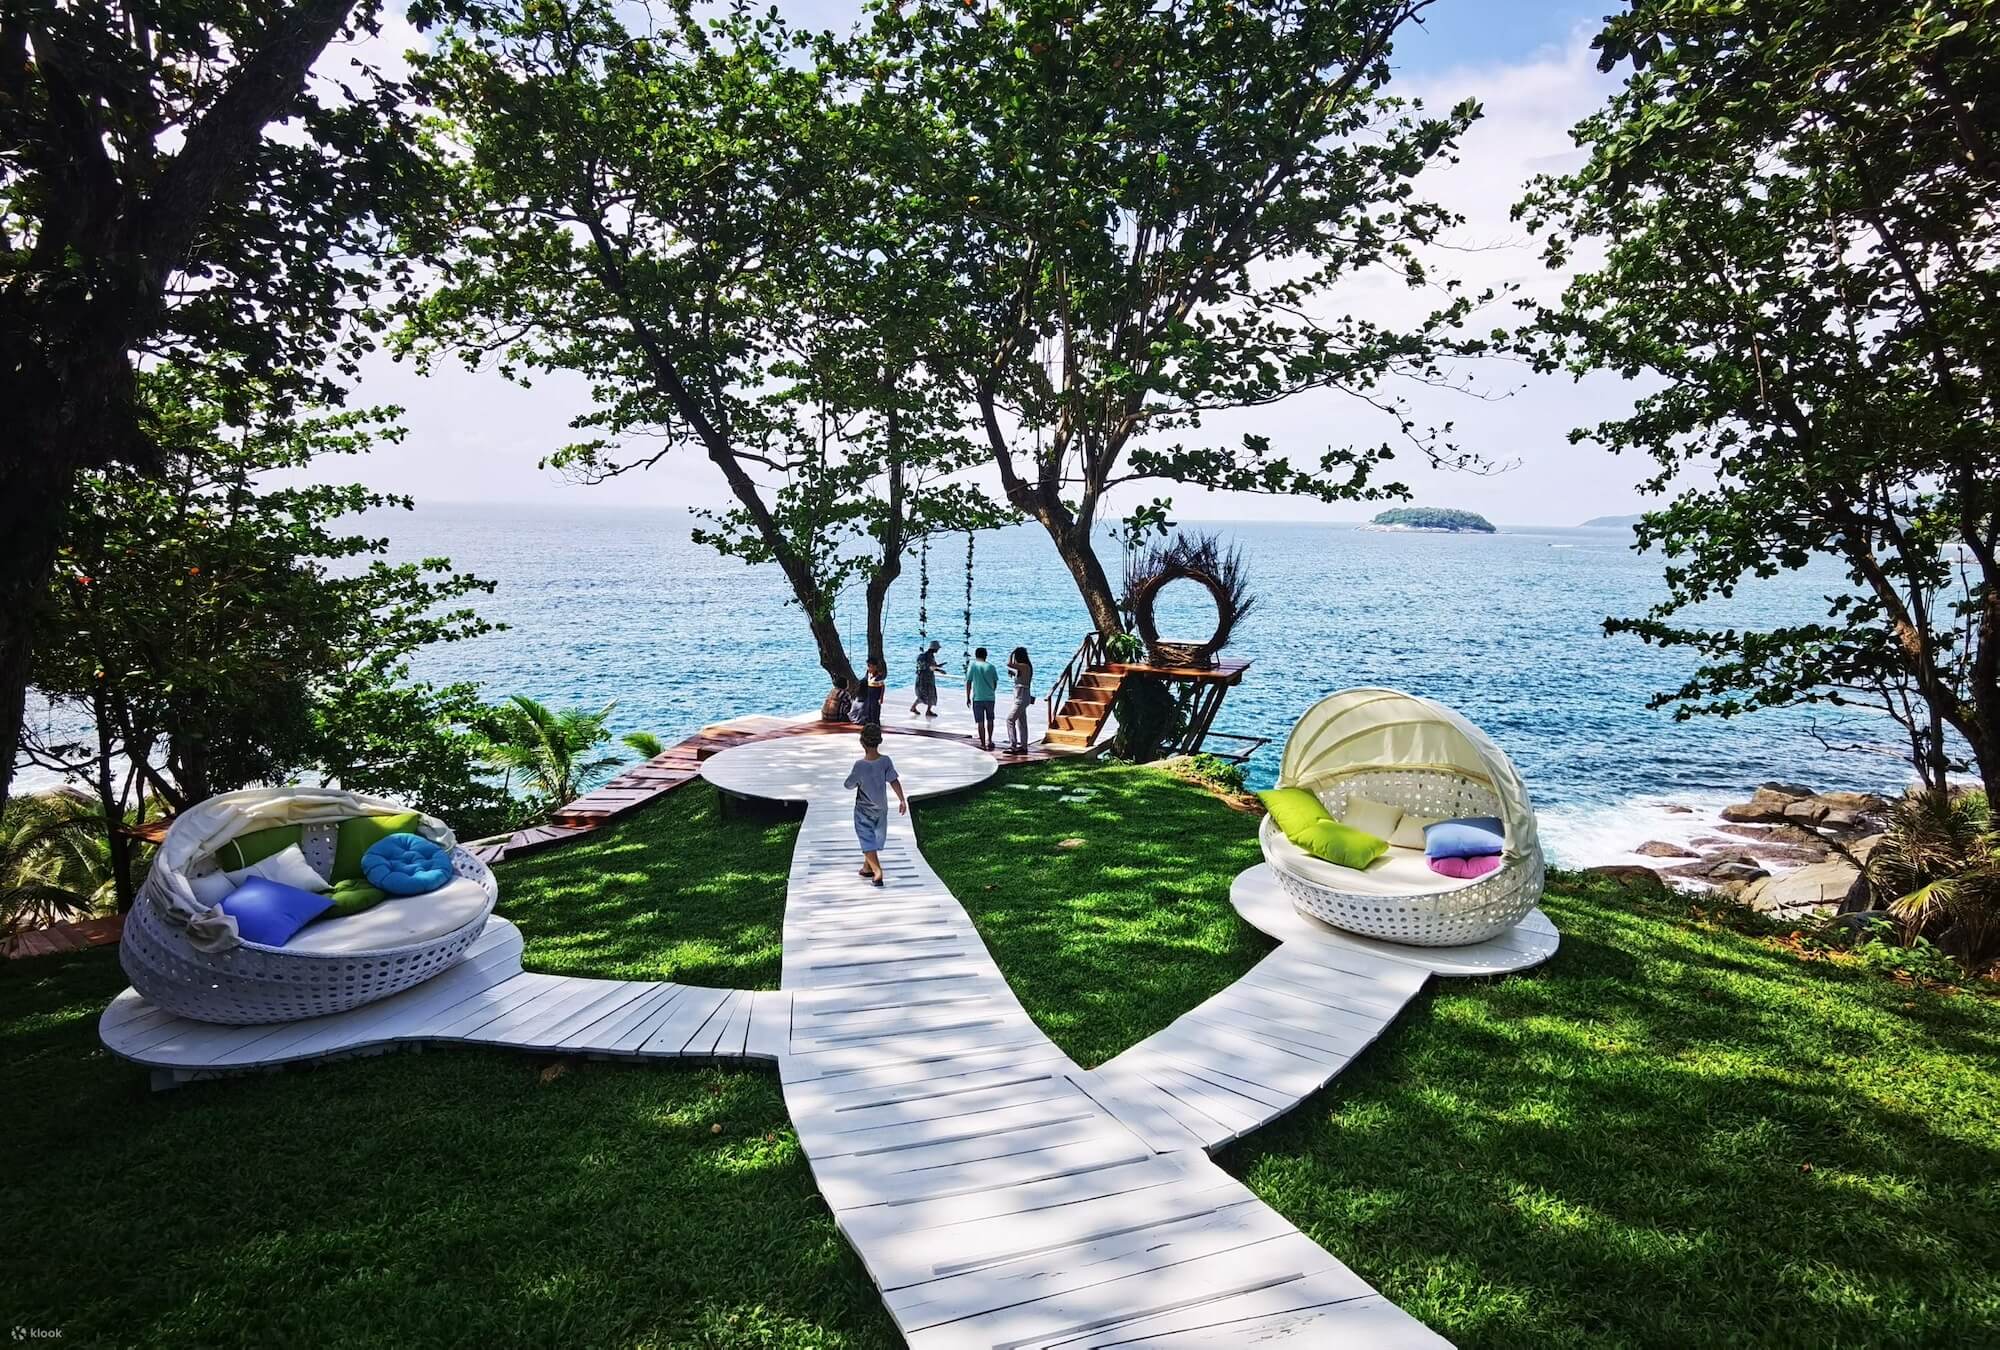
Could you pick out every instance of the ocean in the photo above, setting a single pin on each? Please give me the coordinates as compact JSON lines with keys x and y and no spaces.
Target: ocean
{"x":604,"y":604}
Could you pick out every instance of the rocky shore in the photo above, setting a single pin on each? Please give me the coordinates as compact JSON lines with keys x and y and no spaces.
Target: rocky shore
{"x":1788,"y":851}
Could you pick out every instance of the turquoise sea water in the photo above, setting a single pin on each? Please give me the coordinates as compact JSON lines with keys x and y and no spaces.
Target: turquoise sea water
{"x":608,"y":604}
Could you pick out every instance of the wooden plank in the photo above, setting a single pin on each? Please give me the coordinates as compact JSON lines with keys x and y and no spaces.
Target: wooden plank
{"x":1125,"y":1298}
{"x":686,"y":1018}
{"x":849,"y":1187}
{"x":1160,"y":1250}
{"x":770,"y":1024}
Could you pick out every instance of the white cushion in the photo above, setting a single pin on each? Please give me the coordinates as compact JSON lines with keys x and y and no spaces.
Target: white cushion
{"x":212,"y":889}
{"x":1399,"y":872}
{"x":1410,"y":831}
{"x":1371,"y":817}
{"x":287,"y":867}
{"x":397,"y":922}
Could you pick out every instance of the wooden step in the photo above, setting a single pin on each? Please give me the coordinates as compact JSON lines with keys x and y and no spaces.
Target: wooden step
{"x":1086,"y":722}
{"x":1074,"y":739}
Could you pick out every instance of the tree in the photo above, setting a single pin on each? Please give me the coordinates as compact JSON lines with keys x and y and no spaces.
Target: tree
{"x":550,"y":750}
{"x":55,"y":862}
{"x":1146,"y":203}
{"x":1798,"y":210}
{"x":147,"y":216}
{"x":680,"y":217}
{"x":201,"y":621}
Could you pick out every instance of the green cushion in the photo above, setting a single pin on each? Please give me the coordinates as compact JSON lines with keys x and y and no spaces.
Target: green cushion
{"x":1342,"y":844}
{"x":247,"y":850}
{"x":358,"y":834}
{"x":351,"y":897}
{"x":1294,"y":809}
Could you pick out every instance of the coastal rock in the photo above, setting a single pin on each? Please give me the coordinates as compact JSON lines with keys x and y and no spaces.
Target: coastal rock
{"x":1861,"y":848}
{"x":1767,"y":804}
{"x":1736,"y":866}
{"x":1787,"y":789}
{"x":1821,"y":885}
{"x":1676,"y":809}
{"x":1659,"y":848}
{"x":1631,"y":877}
{"x":1784,"y":834}
{"x":1861,"y":803}
{"x":1793,"y":806}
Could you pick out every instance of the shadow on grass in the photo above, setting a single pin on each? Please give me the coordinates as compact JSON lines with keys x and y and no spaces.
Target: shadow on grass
{"x":448,"y":1198}
{"x":678,"y":891}
{"x":1668,"y":1136}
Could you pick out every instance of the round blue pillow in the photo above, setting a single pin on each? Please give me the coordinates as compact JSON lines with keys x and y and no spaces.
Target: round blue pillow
{"x":406,"y":864}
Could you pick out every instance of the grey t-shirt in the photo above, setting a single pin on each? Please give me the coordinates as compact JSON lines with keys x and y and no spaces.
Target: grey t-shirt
{"x":870,"y":779}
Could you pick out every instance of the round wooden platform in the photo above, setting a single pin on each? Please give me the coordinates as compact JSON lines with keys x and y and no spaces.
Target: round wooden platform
{"x":798,"y":768}
{"x":1264,"y":905}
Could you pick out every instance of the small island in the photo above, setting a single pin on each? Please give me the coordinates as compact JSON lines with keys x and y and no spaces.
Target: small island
{"x":1441,"y":518}
{"x":1610,"y":522}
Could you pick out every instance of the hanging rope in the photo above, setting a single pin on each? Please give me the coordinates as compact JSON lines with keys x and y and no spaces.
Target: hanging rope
{"x":924,"y":592}
{"x":966,"y":656}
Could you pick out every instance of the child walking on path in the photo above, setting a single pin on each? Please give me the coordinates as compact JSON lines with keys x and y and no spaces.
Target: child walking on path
{"x":871,"y":778}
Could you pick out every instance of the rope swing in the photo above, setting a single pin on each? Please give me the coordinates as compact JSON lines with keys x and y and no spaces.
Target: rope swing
{"x":924,"y":592}
{"x":966,"y":656}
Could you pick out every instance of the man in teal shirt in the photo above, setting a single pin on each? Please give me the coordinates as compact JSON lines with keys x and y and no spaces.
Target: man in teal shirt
{"x":982,"y":687}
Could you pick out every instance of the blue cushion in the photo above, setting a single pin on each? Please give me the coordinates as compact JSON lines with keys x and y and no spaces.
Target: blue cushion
{"x":1472,"y":837}
{"x":406,"y":864}
{"x":269,"y":912}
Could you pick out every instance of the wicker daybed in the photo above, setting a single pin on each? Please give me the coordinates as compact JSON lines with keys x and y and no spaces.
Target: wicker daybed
{"x":188,"y":958}
{"x":1413,"y":754}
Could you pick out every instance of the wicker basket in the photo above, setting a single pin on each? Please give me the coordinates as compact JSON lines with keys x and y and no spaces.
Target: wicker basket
{"x":1448,"y":918}
{"x":248,"y":982}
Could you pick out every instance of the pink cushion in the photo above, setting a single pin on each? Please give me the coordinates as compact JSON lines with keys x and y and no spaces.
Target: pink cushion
{"x":1464,"y":868}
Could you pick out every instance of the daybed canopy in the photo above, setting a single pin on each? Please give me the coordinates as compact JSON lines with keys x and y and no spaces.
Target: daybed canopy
{"x":1365,"y":731}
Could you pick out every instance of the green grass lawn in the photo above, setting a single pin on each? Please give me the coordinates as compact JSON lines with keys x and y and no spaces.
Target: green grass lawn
{"x":1672,"y":1135}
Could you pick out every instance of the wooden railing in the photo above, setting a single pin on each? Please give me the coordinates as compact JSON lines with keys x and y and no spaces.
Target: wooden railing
{"x":1089,"y":656}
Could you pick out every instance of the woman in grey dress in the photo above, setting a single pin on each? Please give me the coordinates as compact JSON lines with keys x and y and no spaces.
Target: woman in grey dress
{"x":928,"y":667}
{"x":1023,"y":671}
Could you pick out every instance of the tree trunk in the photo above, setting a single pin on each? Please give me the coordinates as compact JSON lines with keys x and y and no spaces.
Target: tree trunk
{"x":32,"y":510}
{"x":1093,"y":584}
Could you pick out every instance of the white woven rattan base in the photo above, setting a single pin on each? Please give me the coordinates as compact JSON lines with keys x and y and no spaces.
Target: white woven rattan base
{"x":250,"y":983}
{"x":1450,"y":918}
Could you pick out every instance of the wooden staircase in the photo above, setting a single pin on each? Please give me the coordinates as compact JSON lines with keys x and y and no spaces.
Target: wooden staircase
{"x":1074,"y":725}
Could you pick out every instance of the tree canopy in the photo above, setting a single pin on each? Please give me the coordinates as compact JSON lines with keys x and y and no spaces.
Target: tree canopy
{"x":1146,"y":208}
{"x":148,"y":216}
{"x":691,"y":219}
{"x":1799,"y":211}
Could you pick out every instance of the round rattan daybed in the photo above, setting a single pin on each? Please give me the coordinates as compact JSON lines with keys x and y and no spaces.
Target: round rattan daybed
{"x":188,"y":958}
{"x":1413,"y":754}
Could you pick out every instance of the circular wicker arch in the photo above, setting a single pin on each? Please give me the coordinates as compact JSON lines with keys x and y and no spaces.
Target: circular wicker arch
{"x":1201,"y":560}
{"x":1172,"y":652}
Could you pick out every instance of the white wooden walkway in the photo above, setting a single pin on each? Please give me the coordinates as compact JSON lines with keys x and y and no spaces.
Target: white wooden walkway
{"x":486,"y":999}
{"x":999,"y":1194}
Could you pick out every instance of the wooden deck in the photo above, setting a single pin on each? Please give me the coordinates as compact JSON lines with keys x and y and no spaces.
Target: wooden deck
{"x":65,"y":937}
{"x":646,"y":783}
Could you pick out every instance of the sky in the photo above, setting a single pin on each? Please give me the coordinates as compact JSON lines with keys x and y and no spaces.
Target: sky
{"x":476,"y":437}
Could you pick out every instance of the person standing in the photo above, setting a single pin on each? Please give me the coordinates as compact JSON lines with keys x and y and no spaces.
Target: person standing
{"x":928,"y":667}
{"x":871,"y":778}
{"x":868,"y":700}
{"x":1023,"y":671}
{"x":982,"y":687}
